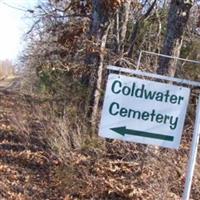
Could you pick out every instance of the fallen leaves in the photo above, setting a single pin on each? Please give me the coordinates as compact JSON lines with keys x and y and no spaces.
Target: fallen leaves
{"x":115,"y":170}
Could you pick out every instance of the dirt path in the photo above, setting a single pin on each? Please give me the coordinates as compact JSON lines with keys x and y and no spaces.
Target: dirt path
{"x":26,"y":165}
{"x":9,"y":82}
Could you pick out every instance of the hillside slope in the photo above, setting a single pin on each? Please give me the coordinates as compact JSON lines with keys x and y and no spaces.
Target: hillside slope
{"x":112,"y":170}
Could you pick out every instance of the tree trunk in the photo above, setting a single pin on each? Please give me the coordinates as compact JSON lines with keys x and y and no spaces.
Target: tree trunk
{"x":99,"y":29}
{"x":99,"y":18}
{"x":126,"y":12}
{"x":177,"y":20}
{"x":97,"y":94}
{"x":136,"y":27}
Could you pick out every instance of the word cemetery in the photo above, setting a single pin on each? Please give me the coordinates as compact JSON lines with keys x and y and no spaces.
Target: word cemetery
{"x":143,"y":111}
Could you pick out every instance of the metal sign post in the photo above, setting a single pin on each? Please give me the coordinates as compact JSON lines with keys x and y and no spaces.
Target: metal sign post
{"x":196,"y":132}
{"x":193,"y":154}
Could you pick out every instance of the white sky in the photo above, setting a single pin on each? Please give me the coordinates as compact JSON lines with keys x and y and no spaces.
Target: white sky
{"x":12,"y":27}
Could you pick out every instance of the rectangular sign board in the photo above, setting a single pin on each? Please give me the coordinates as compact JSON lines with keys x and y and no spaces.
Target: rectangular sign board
{"x":143,"y":111}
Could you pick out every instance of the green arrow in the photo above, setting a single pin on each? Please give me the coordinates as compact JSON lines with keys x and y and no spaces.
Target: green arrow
{"x":124,"y":131}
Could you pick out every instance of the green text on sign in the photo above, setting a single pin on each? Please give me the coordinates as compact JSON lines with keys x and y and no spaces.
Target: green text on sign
{"x":143,"y":111}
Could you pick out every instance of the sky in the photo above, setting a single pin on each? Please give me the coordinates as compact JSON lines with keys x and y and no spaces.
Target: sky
{"x":13,"y":26}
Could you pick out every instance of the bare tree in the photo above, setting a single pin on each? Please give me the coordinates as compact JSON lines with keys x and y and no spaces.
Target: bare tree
{"x":177,"y":20}
{"x":137,"y":24}
{"x":99,"y":28}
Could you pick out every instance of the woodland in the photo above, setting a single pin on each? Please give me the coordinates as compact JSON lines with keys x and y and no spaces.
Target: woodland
{"x":49,"y":115}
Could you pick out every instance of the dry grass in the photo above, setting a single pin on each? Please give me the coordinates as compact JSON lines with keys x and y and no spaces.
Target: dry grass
{"x":91,"y":168}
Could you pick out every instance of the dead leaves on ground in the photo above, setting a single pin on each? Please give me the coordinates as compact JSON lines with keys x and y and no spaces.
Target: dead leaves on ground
{"x":108,"y":171}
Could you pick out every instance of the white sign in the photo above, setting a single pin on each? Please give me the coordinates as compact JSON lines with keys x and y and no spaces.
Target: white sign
{"x":143,"y":111}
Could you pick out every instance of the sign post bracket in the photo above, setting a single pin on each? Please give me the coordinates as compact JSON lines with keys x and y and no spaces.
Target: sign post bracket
{"x":152,"y":75}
